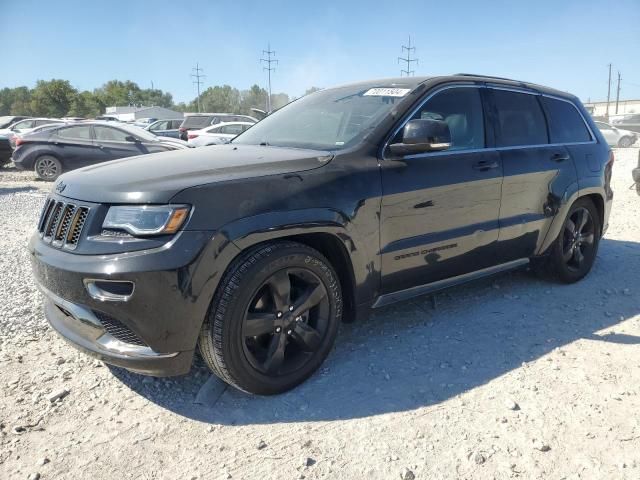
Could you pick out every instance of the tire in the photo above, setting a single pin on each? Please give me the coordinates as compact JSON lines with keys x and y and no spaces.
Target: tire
{"x":252,"y":299}
{"x":572,"y":254}
{"x":625,"y":142}
{"x":47,"y":168}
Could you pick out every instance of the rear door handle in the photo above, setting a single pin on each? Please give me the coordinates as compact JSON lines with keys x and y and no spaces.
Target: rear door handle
{"x":560,"y":157}
{"x":483,"y":166}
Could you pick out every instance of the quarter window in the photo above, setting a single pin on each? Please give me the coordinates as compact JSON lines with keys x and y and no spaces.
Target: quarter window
{"x":80,"y":132}
{"x":565,"y":123}
{"x":231,"y":129}
{"x":461,"y":109}
{"x":520,"y":119}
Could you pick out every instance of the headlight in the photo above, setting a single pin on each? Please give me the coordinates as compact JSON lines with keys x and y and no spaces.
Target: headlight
{"x":147,"y":219}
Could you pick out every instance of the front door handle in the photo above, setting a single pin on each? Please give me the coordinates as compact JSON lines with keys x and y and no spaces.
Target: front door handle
{"x":483,"y":166}
{"x":560,"y":157}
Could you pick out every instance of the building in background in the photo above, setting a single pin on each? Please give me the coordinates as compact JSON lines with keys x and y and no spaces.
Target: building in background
{"x":625,"y":107}
{"x":132,"y":113}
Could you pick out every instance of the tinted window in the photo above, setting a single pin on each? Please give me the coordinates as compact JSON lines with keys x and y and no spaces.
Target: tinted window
{"x":461,"y":108}
{"x":80,"y":132}
{"x":24,"y":124}
{"x":175,"y":124}
{"x":520,"y":119}
{"x":603,"y":126}
{"x":565,"y":123}
{"x":108,"y":134}
{"x":196,"y":121}
{"x":161,"y":125}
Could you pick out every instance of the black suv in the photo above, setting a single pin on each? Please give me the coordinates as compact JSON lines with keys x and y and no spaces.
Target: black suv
{"x":347,"y":199}
{"x":203,"y":120}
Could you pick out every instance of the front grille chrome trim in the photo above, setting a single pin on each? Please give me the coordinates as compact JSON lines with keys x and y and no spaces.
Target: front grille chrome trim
{"x":61,"y":223}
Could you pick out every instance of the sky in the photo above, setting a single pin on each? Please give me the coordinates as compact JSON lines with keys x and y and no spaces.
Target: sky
{"x":562,"y":44}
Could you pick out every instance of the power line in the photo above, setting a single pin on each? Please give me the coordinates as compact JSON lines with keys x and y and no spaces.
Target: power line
{"x":268,"y":52}
{"x":408,"y":60}
{"x":197,"y":75}
{"x":608,"y":92}
{"x":618,"y":92}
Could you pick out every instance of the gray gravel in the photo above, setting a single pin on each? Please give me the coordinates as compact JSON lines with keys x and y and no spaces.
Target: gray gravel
{"x":511,"y":377}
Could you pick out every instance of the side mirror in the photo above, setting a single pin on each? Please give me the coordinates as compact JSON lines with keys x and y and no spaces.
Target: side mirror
{"x":131,"y":138}
{"x":423,"y":135}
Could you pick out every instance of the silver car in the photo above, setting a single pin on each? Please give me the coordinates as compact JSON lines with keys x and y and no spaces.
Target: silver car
{"x":617,"y":137}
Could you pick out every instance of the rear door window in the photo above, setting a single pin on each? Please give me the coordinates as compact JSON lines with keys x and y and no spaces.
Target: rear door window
{"x":231,"y":129}
{"x":520,"y":119}
{"x":565,"y":123}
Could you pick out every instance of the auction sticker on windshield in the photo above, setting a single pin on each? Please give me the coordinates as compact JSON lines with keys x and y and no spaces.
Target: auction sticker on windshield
{"x":387,"y":92}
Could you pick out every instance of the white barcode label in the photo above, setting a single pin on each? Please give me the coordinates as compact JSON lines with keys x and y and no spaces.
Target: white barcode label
{"x":387,"y":92}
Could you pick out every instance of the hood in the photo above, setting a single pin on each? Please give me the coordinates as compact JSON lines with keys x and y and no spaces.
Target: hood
{"x":156,"y":178}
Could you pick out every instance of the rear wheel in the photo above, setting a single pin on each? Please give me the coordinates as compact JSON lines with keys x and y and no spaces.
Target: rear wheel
{"x":574,"y":251}
{"x":274,"y":318}
{"x":48,"y":168}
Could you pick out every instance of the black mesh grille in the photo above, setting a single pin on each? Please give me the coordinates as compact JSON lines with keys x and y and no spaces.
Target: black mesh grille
{"x":62,"y":223}
{"x":118,"y":330}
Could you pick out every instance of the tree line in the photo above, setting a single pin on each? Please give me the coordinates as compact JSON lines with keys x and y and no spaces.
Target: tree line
{"x":58,"y":98}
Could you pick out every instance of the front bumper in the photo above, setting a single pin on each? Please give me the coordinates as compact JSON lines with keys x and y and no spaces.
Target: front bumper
{"x":81,"y":328}
{"x":174,"y":285}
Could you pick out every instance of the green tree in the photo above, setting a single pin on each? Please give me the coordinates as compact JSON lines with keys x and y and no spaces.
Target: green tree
{"x":52,"y":98}
{"x":220,"y":99}
{"x":311,"y":90}
{"x":85,"y":104}
{"x":279,"y":100}
{"x":255,"y":97}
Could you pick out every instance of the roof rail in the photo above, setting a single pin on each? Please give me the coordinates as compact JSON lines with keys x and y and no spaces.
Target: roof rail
{"x":485,"y":76}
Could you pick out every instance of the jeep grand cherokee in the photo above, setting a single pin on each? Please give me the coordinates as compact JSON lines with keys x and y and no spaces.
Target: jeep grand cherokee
{"x":347,"y":199}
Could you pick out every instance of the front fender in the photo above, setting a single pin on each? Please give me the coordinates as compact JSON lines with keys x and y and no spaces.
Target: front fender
{"x":249,"y":231}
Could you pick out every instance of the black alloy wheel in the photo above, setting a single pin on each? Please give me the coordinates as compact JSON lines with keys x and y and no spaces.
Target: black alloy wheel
{"x":578,"y":239}
{"x":273,"y":319}
{"x":286,"y":321}
{"x":573,"y":253}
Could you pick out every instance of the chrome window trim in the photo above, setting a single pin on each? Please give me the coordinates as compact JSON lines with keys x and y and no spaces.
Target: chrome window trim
{"x":413,"y":111}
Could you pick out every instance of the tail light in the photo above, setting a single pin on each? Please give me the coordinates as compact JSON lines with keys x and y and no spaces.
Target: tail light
{"x":191,"y":135}
{"x":182,"y":129}
{"x":19,"y":141}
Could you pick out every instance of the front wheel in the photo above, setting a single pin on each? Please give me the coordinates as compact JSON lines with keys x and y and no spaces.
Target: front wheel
{"x":48,"y":168}
{"x":625,"y":142}
{"x":574,"y":251}
{"x":273,"y":319}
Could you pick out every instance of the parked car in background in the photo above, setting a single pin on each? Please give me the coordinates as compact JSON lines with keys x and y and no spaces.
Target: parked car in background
{"x":55,"y":150}
{"x":344,"y":200}
{"x":5,"y":150}
{"x":218,"y":134}
{"x":166,"y":128}
{"x":14,"y":138}
{"x":628,"y":122}
{"x":617,"y":137}
{"x":203,"y":120}
{"x":9,"y":120}
{"x":144,"y":122}
{"x":28,"y":124}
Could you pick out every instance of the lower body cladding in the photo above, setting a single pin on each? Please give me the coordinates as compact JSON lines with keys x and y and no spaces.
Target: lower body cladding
{"x":140,"y":310}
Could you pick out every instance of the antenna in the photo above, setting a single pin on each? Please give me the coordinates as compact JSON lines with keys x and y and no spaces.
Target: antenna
{"x":268,"y":52}
{"x":408,"y":60}
{"x":197,"y":75}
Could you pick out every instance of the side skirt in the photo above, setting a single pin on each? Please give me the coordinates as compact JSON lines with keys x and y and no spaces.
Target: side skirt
{"x":401,"y":295}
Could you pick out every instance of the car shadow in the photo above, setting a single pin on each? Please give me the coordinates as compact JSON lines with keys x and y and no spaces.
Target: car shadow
{"x":423,"y":352}
{"x":11,"y":190}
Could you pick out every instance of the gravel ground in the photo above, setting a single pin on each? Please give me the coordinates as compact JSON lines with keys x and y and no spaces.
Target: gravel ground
{"x":505,"y":378}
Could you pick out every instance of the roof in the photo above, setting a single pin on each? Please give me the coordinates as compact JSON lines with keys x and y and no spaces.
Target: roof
{"x":414,"y":82}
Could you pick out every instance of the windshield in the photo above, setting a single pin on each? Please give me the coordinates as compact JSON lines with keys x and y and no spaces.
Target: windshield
{"x":325,"y":120}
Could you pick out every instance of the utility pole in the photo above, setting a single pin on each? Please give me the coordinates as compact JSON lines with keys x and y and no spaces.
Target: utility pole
{"x":197,"y":75}
{"x":151,"y":84}
{"x":268,"y":52}
{"x":408,"y":60}
{"x":608,"y":93}
{"x":618,"y":93}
